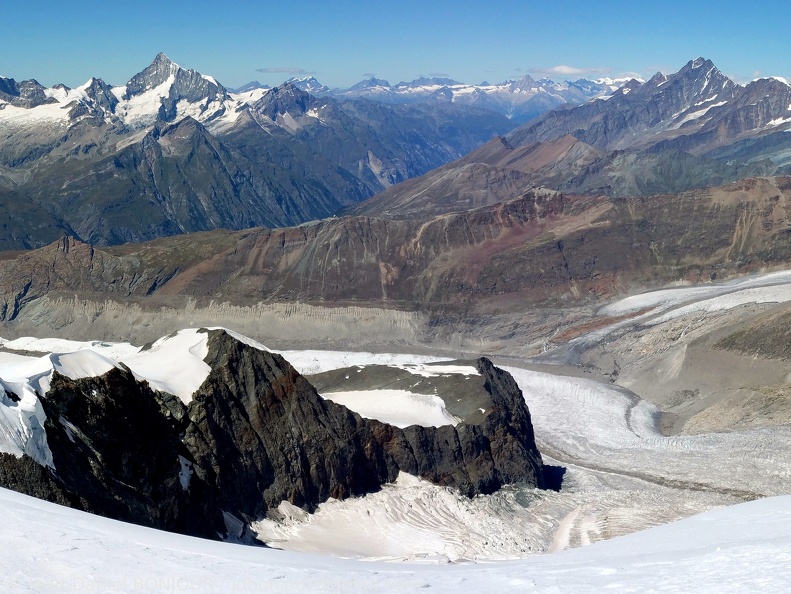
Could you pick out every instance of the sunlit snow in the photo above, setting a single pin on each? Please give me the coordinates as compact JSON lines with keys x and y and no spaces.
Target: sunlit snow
{"x":53,"y":549}
{"x":396,"y":407}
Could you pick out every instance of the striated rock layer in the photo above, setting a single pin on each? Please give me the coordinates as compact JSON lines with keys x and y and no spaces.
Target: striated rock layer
{"x":545,"y":248}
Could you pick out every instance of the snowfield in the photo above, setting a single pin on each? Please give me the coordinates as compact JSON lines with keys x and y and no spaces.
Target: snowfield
{"x":53,"y":549}
{"x":312,"y":362}
{"x":172,"y":364}
{"x":773,"y":287}
{"x":396,"y":407}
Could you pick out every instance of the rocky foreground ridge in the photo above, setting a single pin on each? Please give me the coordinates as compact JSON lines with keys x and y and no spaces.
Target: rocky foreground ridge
{"x":255,"y":433}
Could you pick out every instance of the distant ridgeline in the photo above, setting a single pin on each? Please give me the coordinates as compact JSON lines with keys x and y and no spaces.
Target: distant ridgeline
{"x":173,"y":151}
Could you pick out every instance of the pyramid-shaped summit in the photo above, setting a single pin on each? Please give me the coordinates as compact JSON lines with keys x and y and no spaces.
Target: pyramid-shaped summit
{"x":153,"y":76}
{"x":173,"y":84}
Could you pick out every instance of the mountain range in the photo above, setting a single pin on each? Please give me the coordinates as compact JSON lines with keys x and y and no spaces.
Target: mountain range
{"x":311,"y":218}
{"x":173,"y":151}
{"x":672,"y":133}
{"x":520,"y":100}
{"x":543,"y":250}
{"x":444,"y":241}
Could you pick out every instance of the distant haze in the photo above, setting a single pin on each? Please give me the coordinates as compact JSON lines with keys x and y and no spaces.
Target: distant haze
{"x":342,"y":43}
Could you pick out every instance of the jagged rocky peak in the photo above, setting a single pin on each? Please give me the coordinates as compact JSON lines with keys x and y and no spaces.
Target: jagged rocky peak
{"x":157,"y":73}
{"x":698,"y":80}
{"x":8,"y":86}
{"x":525,"y":83}
{"x":287,"y":98}
{"x":101,"y":94}
{"x":180,"y":83}
{"x":658,"y":79}
{"x":627,"y":87}
{"x":636,"y":111}
{"x":702,"y":69}
{"x":27,"y":93}
{"x":260,"y":397}
{"x":699,"y":62}
{"x":631,"y":84}
{"x":309,"y":84}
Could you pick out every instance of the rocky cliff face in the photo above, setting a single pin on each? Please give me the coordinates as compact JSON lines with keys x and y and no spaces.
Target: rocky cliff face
{"x":256,"y":433}
{"x":182,"y":85}
{"x":115,"y":453}
{"x":101,"y":95}
{"x":261,"y":434}
{"x":633,"y":115}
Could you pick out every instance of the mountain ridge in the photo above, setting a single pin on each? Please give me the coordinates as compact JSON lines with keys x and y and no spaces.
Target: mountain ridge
{"x":518,"y":99}
{"x":544,"y":248}
{"x":173,"y":151}
{"x":692,"y":129}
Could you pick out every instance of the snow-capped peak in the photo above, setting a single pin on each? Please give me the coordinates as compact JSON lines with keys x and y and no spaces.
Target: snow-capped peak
{"x":697,"y":62}
{"x":308,"y":84}
{"x":161,"y":58}
{"x":777,"y":78}
{"x":161,"y":70}
{"x":616,"y":82}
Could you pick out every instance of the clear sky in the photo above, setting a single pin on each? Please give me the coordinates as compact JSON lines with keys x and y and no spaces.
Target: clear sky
{"x":342,"y":41}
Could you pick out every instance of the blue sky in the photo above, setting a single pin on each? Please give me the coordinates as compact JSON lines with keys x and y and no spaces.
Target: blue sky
{"x":343,"y":41}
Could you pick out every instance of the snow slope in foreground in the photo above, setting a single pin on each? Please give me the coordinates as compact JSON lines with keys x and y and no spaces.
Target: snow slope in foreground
{"x":745,"y":548}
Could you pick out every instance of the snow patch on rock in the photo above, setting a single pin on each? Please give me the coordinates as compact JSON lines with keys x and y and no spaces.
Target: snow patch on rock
{"x":396,"y":407}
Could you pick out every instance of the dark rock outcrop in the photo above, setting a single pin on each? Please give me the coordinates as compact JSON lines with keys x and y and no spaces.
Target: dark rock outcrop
{"x":28,"y":476}
{"x":116,"y":454}
{"x":288,"y":98}
{"x":101,"y":94}
{"x":296,"y":446}
{"x":26,"y":93}
{"x":256,"y":433}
